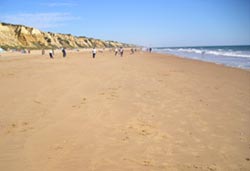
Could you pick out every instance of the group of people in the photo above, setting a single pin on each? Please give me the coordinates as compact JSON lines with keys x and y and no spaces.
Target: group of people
{"x":52,"y":53}
{"x":133,"y":50}
{"x":94,"y":51}
{"x":149,"y":50}
{"x":120,"y":51}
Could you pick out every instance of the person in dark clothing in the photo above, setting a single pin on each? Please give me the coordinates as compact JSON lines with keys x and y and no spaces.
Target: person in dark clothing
{"x":121,"y":51}
{"x":132,"y":51}
{"x":64,"y":52}
{"x":94,"y":52}
{"x":51,"y":54}
{"x":43,"y":51}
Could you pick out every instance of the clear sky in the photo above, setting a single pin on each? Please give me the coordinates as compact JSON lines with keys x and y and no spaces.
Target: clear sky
{"x":143,"y":22}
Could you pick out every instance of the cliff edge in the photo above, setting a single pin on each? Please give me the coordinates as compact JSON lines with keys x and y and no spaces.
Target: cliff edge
{"x":20,"y":36}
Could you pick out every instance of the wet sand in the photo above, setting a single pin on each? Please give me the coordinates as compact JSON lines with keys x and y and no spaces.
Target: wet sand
{"x":142,"y":112}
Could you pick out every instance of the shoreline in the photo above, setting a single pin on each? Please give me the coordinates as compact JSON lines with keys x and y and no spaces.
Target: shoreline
{"x":105,"y":50}
{"x":233,"y":56}
{"x":219,"y":64}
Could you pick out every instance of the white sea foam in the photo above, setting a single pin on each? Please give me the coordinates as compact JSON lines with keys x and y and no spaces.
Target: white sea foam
{"x":230,"y":53}
{"x":236,"y":56}
{"x":219,"y":52}
{"x":190,"y":50}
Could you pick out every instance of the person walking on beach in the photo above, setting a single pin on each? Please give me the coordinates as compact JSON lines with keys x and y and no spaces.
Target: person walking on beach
{"x":116,"y":51}
{"x":94,"y":52}
{"x":64,"y":52}
{"x":132,"y":50}
{"x":51,"y":54}
{"x":121,"y":51}
{"x":43,"y":51}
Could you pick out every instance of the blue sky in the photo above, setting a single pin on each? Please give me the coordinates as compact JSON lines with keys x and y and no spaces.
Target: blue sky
{"x":143,"y":22}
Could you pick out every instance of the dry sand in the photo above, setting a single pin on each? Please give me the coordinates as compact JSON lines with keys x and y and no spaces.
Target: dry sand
{"x":137,"y":113}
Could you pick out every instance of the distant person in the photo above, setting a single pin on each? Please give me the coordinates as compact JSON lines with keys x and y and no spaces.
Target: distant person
{"x":43,"y":51}
{"x":132,"y":51}
{"x":23,"y":51}
{"x":121,"y":51}
{"x":94,"y":52}
{"x":51,"y":54}
{"x":150,"y":50}
{"x":116,"y":51}
{"x":64,"y":52}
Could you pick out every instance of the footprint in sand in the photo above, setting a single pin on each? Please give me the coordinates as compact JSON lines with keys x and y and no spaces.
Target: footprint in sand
{"x":26,"y":127}
{"x":160,"y":81}
{"x":7,"y":75}
{"x":166,"y":75}
{"x":144,"y":132}
{"x":58,"y":147}
{"x":11,"y":74}
{"x":36,"y":101}
{"x":146,"y":163}
{"x":83,"y":101}
{"x":125,"y":138}
{"x":142,"y":128}
{"x":112,"y":94}
{"x":11,"y":128}
{"x":22,"y":127}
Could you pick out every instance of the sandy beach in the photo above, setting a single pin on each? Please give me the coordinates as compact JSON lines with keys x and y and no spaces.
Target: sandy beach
{"x":140,"y":112}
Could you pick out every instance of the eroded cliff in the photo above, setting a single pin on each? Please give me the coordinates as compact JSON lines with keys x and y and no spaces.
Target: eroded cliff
{"x":20,"y":36}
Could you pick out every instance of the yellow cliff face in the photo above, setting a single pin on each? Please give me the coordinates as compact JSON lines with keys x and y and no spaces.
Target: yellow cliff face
{"x":19,"y":36}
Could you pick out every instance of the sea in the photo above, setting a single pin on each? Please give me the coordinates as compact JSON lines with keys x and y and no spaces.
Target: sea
{"x":233,"y":56}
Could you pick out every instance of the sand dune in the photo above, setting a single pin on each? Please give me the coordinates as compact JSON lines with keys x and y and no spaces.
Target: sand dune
{"x":140,"y":112}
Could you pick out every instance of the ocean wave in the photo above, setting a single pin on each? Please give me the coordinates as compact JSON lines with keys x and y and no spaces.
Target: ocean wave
{"x":234,"y":56}
{"x":229,"y":53}
{"x":217,"y":52}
